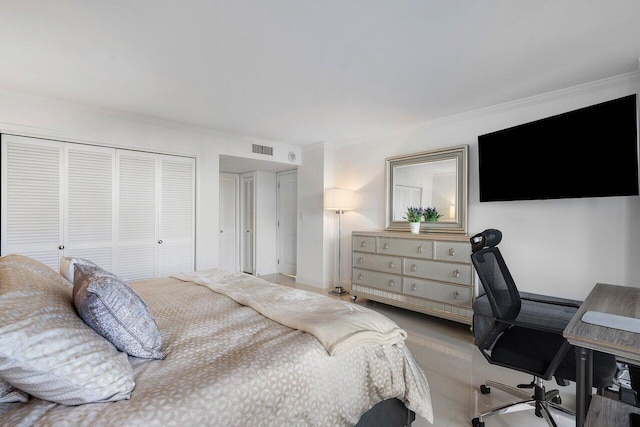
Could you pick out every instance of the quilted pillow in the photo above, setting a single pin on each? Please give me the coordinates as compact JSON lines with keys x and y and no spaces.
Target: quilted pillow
{"x":46,"y":350}
{"x":10,"y":394}
{"x":35,"y":266}
{"x":116,"y":311}
{"x":67,"y":265}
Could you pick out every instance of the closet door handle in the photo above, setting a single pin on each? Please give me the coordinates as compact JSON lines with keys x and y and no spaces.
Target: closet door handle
{"x":160,"y":242}
{"x":61,"y":247}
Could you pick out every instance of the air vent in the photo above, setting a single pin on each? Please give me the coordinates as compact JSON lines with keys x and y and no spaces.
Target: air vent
{"x":262,"y":149}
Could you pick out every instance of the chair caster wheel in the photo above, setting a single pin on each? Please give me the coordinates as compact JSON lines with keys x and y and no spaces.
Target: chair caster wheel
{"x":477,"y":423}
{"x":557,"y":400}
{"x":485,"y":389}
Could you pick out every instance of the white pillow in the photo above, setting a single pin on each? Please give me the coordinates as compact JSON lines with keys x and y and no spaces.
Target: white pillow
{"x":67,"y":265}
{"x":46,"y":350}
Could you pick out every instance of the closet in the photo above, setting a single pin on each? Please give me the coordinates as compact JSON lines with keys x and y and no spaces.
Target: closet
{"x":131,"y":212}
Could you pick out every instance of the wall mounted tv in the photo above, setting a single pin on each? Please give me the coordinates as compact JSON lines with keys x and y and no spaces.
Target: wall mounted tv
{"x":590,"y":152}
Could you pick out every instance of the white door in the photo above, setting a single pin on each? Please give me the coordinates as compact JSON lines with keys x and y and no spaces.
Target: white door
{"x":287,"y":222}
{"x":228,"y":222}
{"x":176,"y":216}
{"x":138,"y":205}
{"x":32,"y":192}
{"x":247,"y":210}
{"x":89,"y":208}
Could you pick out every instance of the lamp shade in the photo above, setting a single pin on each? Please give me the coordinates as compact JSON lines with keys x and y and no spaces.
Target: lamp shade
{"x":338,"y":199}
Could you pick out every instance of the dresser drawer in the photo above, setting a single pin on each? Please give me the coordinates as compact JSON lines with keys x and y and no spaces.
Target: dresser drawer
{"x":386,"y":264}
{"x":452,"y":251}
{"x":364,"y":244}
{"x":374,"y":279}
{"x":406,"y":247}
{"x":442,"y":292}
{"x":436,"y":270}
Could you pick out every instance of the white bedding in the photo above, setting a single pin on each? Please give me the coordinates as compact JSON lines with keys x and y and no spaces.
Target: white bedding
{"x":227,"y":365}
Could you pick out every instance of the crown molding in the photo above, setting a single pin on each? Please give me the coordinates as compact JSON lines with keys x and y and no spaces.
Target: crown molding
{"x":620,"y":80}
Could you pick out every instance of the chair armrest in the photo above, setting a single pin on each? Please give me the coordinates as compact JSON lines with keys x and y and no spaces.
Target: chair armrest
{"x":546,"y":299}
{"x":537,"y":326}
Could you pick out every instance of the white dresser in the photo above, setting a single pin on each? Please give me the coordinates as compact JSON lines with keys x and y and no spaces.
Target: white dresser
{"x":429,"y":273}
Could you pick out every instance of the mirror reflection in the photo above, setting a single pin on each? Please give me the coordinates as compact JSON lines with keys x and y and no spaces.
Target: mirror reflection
{"x":430,"y":184}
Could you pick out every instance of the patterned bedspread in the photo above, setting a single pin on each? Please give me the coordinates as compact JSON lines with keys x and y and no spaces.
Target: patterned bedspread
{"x":227,"y":365}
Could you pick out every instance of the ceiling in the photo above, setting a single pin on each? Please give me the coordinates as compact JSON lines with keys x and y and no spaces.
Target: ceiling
{"x":304,"y":71}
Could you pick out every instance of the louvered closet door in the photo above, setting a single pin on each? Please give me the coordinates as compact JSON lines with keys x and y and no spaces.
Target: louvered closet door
{"x":137,"y":214}
{"x":31,"y":198}
{"x":177,"y":208}
{"x":89,"y":208}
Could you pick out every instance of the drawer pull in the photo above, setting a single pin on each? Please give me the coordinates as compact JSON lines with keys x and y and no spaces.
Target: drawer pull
{"x":359,"y":276}
{"x":414,"y":287}
{"x":385,"y":246}
{"x":414,"y":267}
{"x":452,"y":252}
{"x":360,"y":260}
{"x":456,"y":273}
{"x":363,"y":244}
{"x":456,"y":295}
{"x":392,"y":264}
{"x":390,"y":283}
{"x":420,"y":249}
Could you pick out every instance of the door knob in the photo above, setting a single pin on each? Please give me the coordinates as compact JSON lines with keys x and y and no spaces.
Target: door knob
{"x":160,"y":241}
{"x":61,"y":247}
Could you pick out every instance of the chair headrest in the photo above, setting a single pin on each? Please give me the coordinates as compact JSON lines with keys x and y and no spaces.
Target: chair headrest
{"x":488,"y":238}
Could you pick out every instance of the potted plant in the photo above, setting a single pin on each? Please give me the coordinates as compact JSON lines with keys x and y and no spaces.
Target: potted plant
{"x":431,"y":214}
{"x":414,"y":215}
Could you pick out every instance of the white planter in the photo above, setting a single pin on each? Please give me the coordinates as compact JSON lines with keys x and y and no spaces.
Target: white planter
{"x":415,"y":227}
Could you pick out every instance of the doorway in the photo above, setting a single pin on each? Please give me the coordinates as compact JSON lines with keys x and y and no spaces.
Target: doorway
{"x":247,"y":222}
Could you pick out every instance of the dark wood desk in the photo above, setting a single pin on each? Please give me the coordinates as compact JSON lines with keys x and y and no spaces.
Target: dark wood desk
{"x":612,"y":299}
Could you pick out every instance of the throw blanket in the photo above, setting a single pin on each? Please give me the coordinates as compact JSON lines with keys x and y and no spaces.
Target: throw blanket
{"x":338,"y":325}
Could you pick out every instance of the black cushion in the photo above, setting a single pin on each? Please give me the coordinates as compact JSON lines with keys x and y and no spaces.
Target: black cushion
{"x":514,"y":349}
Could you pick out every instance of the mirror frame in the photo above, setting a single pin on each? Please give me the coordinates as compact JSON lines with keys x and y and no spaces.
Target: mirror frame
{"x":460,"y":154}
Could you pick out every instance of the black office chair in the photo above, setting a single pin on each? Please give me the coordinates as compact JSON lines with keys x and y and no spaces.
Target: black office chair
{"x":523,"y":331}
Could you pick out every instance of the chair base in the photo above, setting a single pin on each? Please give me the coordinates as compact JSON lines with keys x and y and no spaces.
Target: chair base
{"x":539,"y":402}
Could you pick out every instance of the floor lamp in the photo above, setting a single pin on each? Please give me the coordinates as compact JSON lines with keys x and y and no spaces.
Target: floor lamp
{"x":339,"y":200}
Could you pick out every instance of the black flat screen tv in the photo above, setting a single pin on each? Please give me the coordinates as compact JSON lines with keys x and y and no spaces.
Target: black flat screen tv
{"x":590,"y":152}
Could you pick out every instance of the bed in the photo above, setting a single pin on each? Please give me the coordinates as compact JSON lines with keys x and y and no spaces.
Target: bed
{"x":220,"y":362}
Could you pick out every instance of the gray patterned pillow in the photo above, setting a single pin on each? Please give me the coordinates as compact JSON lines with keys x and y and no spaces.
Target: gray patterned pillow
{"x":116,"y":311}
{"x":10,"y":394}
{"x":46,"y":350}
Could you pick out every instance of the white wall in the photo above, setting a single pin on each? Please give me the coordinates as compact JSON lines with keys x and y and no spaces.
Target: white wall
{"x":559,"y":247}
{"x":31,"y":115}
{"x":311,"y":244}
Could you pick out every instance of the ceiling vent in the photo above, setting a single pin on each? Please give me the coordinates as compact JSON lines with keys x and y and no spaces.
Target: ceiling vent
{"x":262,"y":149}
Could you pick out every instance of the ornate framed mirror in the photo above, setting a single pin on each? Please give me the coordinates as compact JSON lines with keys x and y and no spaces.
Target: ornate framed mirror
{"x":435,"y":178}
